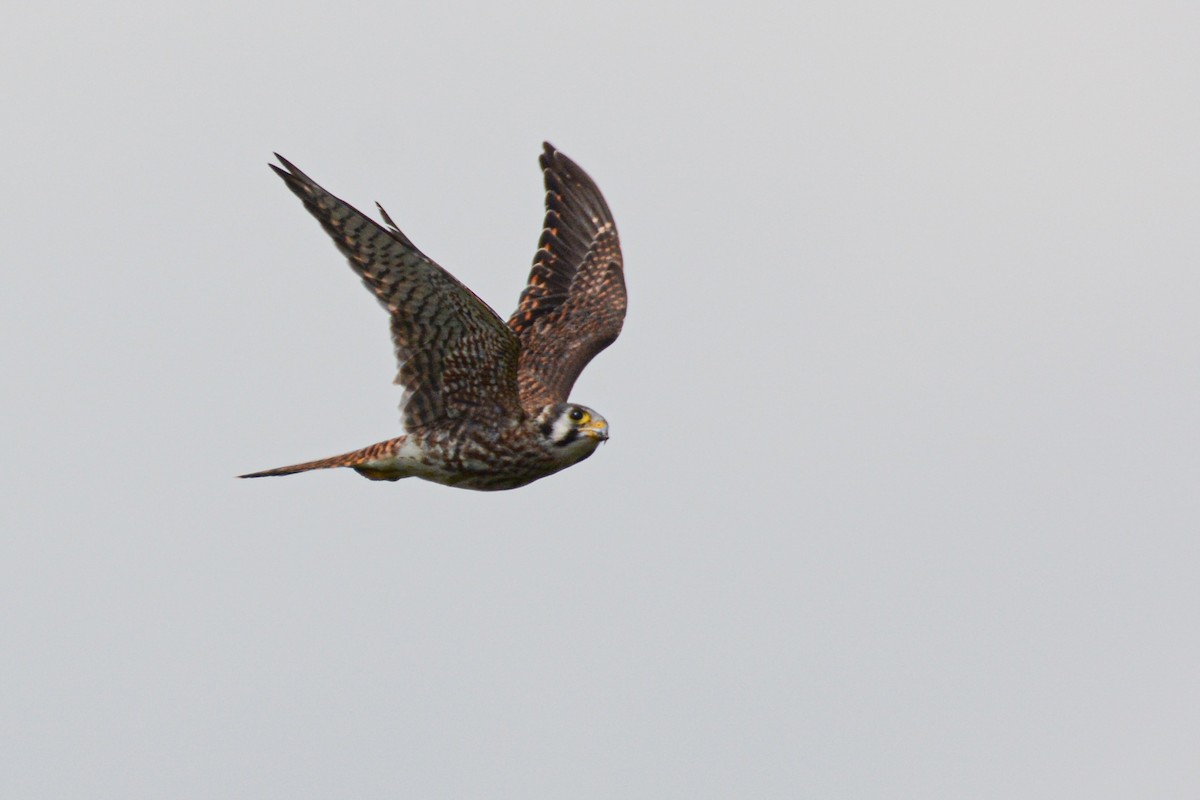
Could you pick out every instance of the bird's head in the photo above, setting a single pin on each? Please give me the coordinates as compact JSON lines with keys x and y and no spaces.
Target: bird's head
{"x":572,"y":430}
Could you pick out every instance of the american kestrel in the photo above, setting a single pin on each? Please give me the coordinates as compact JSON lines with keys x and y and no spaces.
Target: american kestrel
{"x":485,"y":403}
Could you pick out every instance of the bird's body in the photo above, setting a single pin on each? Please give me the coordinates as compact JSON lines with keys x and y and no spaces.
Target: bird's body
{"x":485,"y":403}
{"x":509,"y":457}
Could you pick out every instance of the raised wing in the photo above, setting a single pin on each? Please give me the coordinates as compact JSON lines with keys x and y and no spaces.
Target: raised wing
{"x":574,"y":303}
{"x":457,"y":357}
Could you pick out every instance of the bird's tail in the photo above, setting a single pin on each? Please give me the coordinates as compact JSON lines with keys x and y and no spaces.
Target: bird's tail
{"x":357,"y":459}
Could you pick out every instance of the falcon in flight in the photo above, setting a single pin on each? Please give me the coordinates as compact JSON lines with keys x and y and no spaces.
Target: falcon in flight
{"x":485,"y":403}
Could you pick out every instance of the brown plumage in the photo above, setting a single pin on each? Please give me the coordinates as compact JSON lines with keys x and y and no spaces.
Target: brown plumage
{"x":485,"y":403}
{"x":574,"y":303}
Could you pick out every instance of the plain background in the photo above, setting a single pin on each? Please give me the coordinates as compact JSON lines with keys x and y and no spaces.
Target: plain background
{"x":901,"y":496}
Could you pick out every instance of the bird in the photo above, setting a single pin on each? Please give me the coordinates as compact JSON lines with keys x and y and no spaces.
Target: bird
{"x":485,"y":402}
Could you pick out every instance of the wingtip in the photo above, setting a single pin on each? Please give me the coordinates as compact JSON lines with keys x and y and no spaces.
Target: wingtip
{"x":289,"y":171}
{"x":301,"y":185}
{"x":386,"y":219}
{"x":547,"y":157}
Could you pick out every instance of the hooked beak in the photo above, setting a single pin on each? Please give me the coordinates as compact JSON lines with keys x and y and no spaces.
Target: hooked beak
{"x":597,"y":429}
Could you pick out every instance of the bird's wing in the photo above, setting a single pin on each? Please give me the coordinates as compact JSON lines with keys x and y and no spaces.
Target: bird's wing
{"x":457,"y":357}
{"x":574,"y":303}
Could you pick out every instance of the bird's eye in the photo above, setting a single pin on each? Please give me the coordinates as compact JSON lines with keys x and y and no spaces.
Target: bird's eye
{"x":578,"y":415}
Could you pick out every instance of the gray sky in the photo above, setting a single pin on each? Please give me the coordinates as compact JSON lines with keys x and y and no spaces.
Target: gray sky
{"x":901,"y":496}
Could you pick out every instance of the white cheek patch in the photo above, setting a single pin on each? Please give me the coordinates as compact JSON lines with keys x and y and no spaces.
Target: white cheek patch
{"x":562,"y":428}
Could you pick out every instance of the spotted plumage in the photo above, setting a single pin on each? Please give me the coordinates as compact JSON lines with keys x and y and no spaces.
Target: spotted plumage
{"x":485,"y":403}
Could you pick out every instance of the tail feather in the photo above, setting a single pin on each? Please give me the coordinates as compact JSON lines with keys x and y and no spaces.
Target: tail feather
{"x":352,"y":459}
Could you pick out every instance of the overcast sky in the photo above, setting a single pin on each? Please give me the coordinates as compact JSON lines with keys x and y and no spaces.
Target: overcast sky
{"x":901,"y":496}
